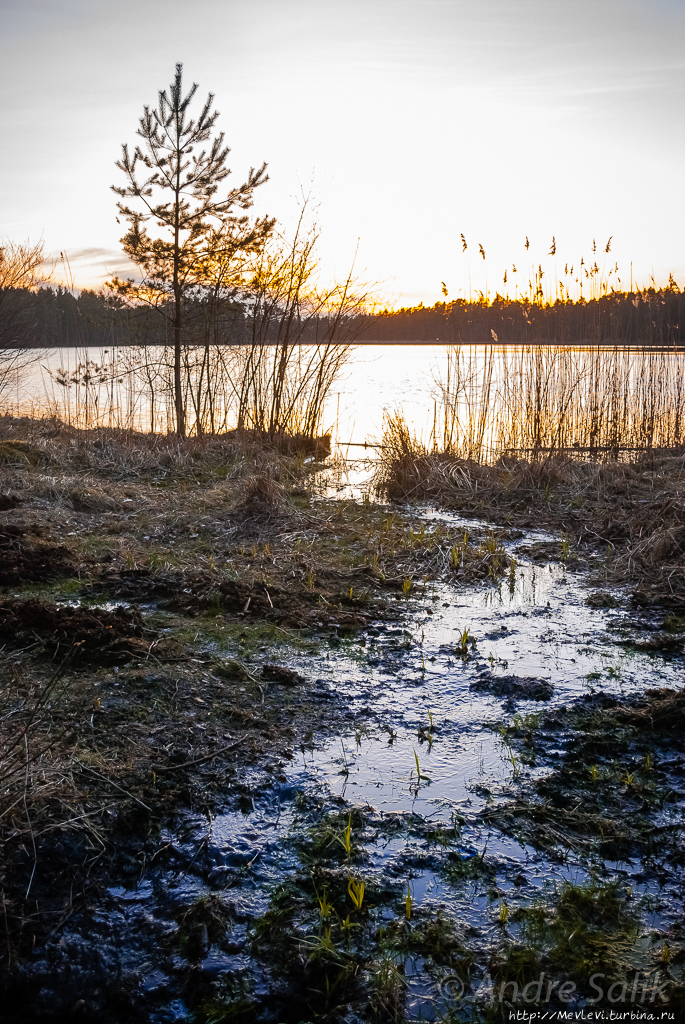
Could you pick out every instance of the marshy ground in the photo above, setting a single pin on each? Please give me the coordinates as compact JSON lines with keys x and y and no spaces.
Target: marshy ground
{"x":272,"y":756}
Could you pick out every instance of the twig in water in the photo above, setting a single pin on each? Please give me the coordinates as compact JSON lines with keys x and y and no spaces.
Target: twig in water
{"x":201,"y":760}
{"x":116,"y":786}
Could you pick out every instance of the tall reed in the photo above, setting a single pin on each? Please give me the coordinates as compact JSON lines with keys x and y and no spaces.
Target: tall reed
{"x":538,"y":399}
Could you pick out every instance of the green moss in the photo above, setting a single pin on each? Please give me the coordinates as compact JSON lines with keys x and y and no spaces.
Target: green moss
{"x":60,"y":590}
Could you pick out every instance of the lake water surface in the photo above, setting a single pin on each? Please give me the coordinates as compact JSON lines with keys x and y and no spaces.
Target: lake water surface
{"x":378,"y":378}
{"x":486,"y":397}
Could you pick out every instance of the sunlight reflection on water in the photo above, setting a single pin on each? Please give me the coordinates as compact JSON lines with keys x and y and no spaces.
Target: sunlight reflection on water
{"x":378,"y":378}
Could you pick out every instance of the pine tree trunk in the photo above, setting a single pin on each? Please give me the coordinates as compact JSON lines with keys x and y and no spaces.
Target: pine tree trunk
{"x":178,"y":387}
{"x":178,"y":305}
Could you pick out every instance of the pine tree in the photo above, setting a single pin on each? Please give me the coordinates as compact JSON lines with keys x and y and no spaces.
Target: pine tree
{"x":175,"y":186}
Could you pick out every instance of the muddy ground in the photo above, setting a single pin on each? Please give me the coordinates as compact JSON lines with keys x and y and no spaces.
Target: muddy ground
{"x":166,"y":619}
{"x":120,"y":576}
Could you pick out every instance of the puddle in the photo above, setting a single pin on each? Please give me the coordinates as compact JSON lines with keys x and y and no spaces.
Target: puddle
{"x":94,"y":603}
{"x":416,"y":759}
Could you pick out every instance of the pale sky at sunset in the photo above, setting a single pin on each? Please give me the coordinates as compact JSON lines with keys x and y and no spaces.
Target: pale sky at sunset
{"x":410,"y":121}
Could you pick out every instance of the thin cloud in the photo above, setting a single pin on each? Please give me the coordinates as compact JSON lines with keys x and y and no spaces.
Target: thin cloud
{"x":96,"y":253}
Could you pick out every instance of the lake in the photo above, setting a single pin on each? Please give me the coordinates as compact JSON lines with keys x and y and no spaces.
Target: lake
{"x":377,"y":378}
{"x":493,"y":397}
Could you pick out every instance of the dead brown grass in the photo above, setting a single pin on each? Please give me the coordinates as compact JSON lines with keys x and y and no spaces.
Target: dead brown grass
{"x":634,"y":512}
{"x":110,"y":454}
{"x":660,"y":709}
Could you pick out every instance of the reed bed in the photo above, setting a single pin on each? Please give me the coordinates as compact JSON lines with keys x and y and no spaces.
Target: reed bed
{"x":543,"y":399}
{"x":589,"y":443}
{"x":273,"y":390}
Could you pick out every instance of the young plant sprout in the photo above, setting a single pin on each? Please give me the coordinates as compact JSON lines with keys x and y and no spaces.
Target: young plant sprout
{"x":346,"y":839}
{"x":408,"y":902}
{"x":355,"y":889}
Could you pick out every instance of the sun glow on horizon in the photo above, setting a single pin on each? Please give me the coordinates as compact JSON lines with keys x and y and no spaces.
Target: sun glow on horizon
{"x":410,"y":125}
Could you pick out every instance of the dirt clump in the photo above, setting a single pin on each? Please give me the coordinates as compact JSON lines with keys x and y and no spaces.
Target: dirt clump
{"x":281,"y":675}
{"x":667,"y":643}
{"x":601,"y":599}
{"x":515,"y":687}
{"x":23,"y":560}
{"x":546,"y":551}
{"x":91,"y":635}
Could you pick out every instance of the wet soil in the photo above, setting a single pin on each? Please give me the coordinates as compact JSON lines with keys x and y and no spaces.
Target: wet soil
{"x":620,"y":770}
{"x":84,"y":635}
{"x":253,"y":600}
{"x":26,"y":559}
{"x":515,"y":687}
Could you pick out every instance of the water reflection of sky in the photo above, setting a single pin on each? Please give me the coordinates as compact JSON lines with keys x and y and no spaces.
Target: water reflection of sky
{"x":378,"y":378}
{"x":409,"y":700}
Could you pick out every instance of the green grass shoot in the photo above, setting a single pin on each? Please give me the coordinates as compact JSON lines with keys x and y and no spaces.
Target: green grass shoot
{"x":356,"y":892}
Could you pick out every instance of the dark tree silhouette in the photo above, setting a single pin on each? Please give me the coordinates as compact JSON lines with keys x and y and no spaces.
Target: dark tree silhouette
{"x":173,"y":183}
{"x":20,"y":264}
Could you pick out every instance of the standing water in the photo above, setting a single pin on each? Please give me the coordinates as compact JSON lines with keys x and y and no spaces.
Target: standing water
{"x":400,"y":859}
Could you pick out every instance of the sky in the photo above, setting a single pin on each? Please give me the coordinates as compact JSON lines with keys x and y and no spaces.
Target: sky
{"x":408,"y":122}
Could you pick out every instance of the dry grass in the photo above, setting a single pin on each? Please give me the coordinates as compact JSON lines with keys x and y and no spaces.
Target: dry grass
{"x":112,"y":454}
{"x":84,"y":764}
{"x":44,"y":794}
{"x":634,"y":512}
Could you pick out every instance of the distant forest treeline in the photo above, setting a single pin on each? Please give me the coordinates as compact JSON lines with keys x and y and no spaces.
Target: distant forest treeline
{"x":53,"y":318}
{"x":652,"y":317}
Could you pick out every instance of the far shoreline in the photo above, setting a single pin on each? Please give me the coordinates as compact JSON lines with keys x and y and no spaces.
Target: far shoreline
{"x":364,"y":343}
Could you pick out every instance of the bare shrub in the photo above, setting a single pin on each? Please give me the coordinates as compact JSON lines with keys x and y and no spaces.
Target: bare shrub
{"x":19,"y":275}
